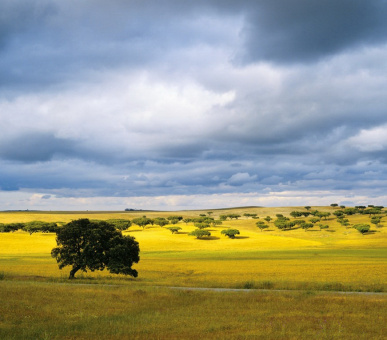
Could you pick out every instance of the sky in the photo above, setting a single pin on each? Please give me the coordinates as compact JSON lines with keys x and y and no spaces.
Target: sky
{"x":169,"y":105}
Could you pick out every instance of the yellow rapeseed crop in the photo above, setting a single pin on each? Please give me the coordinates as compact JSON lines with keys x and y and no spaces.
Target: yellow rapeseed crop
{"x":337,"y":258}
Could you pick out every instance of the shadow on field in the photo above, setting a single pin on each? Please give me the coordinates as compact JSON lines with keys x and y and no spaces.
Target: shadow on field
{"x":241,"y":237}
{"x":182,"y":232}
{"x":209,"y":238}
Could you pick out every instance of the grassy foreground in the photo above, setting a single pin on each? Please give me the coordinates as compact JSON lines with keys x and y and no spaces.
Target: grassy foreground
{"x":37,"y":301}
{"x":33,"y":310}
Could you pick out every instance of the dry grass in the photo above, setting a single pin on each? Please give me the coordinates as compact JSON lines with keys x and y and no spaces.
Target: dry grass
{"x":56,"y":311}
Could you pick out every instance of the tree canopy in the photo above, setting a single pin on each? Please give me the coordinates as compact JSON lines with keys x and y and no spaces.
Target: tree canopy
{"x":95,"y":245}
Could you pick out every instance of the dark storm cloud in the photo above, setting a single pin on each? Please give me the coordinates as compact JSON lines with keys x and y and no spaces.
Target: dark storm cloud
{"x":47,"y":43}
{"x":302,"y":30}
{"x":34,"y":147}
{"x":131,"y":98}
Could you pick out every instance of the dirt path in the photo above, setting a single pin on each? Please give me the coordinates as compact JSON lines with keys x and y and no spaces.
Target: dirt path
{"x":271,"y":290}
{"x":211,"y":289}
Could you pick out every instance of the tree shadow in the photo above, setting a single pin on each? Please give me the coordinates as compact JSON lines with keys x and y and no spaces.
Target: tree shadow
{"x":182,"y":232}
{"x":330,"y":231}
{"x":209,"y":238}
{"x":371,"y":232}
{"x":241,"y":237}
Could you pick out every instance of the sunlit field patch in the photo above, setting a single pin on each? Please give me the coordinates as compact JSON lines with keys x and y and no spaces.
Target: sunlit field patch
{"x":338,"y":258}
{"x":293,"y":266}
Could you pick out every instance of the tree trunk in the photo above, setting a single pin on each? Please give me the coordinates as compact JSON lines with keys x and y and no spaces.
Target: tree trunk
{"x":73,"y":271}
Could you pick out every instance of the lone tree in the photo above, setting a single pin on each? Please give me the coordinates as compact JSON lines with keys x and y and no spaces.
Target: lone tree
{"x":95,"y":245}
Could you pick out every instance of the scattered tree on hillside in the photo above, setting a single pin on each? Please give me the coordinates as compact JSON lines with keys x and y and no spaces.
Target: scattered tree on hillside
{"x":376,"y":220}
{"x":267,"y":219}
{"x":200,"y":233}
{"x":307,"y":207}
{"x":201,"y":225}
{"x":95,"y":245}
{"x":261,"y":225}
{"x":343,"y":221}
{"x":142,"y":221}
{"x":230,"y":232}
{"x":160,"y":221}
{"x":362,"y":228}
{"x":174,"y":230}
{"x":314,"y":220}
{"x":250,"y":215}
{"x":120,"y":224}
{"x":307,"y":226}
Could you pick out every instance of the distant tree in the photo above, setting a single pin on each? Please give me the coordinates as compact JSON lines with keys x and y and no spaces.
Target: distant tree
{"x":200,"y":233}
{"x":323,"y":226}
{"x":299,"y":222}
{"x":202,"y":215}
{"x":314,"y":220}
{"x":142,"y":221}
{"x":223,"y":217}
{"x":296,"y":214}
{"x":372,"y":211}
{"x":323,"y":214}
{"x":39,"y":226}
{"x":307,"y":207}
{"x":120,"y":224}
{"x":216,"y":222}
{"x":338,"y":213}
{"x":175,"y":217}
{"x":376,"y":220}
{"x":250,"y":215}
{"x":334,"y":205}
{"x":11,"y":227}
{"x":362,"y":228}
{"x":202,"y":225}
{"x":352,"y":211}
{"x":95,"y":245}
{"x":307,"y":226}
{"x":230,"y":232}
{"x":267,"y":219}
{"x":343,"y":221}
{"x":342,"y":206}
{"x":209,"y":213}
{"x":187,"y":220}
{"x":174,"y":230}
{"x":160,"y":221}
{"x":261,"y":225}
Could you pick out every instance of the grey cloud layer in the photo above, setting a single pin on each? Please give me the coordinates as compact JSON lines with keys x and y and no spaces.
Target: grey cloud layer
{"x":128,"y":98}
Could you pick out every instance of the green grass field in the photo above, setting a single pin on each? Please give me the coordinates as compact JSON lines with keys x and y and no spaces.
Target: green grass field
{"x":38,"y":302}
